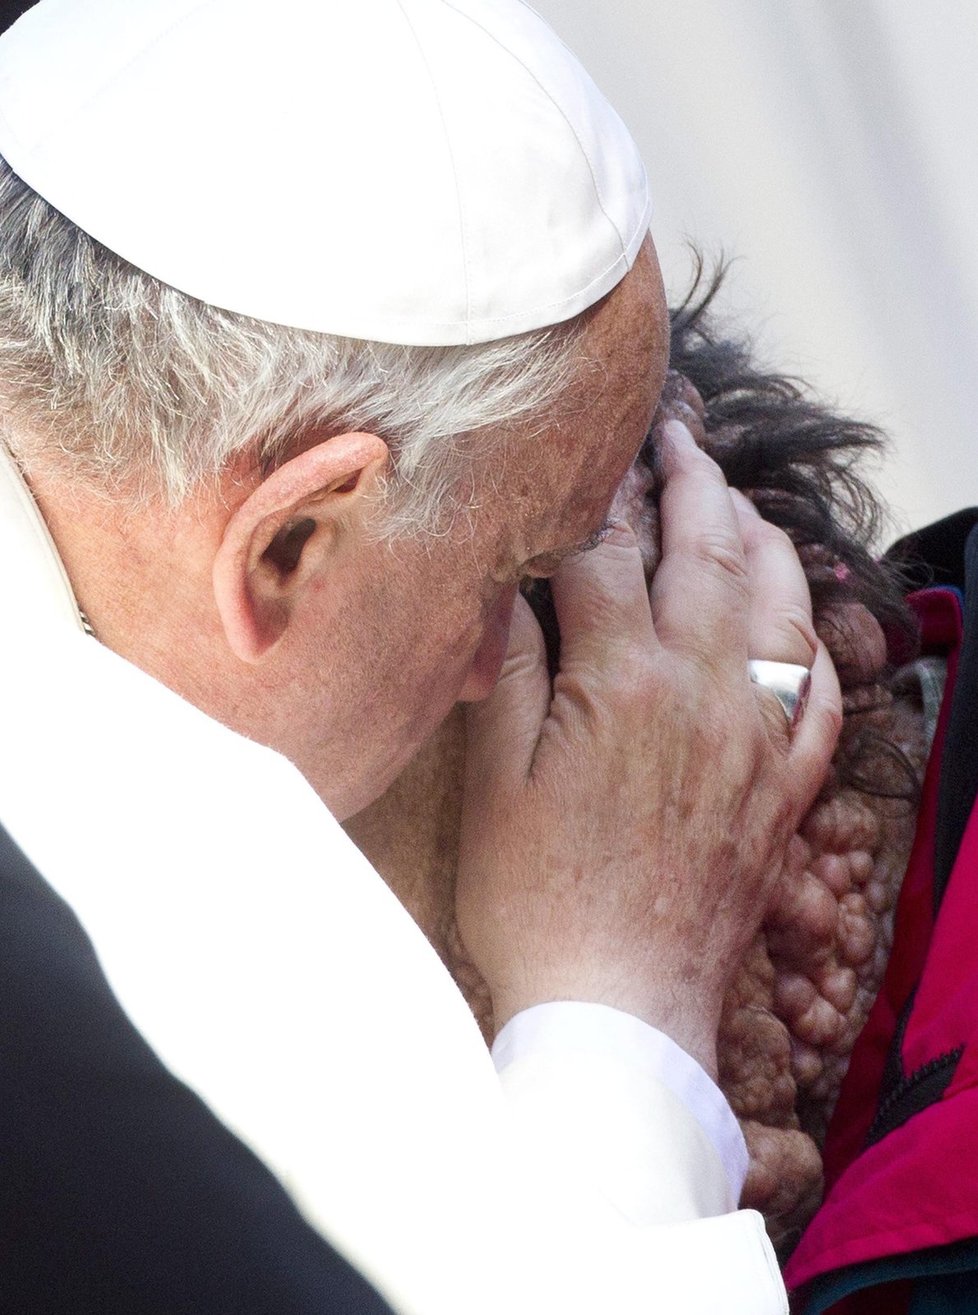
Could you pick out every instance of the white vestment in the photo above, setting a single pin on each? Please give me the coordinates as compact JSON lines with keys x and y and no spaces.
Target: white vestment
{"x":274,"y":972}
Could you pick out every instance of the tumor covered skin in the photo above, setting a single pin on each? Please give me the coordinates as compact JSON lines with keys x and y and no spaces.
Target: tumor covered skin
{"x":804,"y":990}
{"x":800,"y":1000}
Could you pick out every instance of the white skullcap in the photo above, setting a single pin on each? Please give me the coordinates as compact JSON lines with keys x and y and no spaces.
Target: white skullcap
{"x":413,"y":171}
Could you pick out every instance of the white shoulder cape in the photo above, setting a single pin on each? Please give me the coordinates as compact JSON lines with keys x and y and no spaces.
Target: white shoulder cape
{"x":273,"y":971}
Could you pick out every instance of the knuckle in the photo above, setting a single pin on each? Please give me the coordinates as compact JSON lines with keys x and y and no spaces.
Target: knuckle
{"x":629,"y":678}
{"x":636,"y":677}
{"x":723,"y":556}
{"x":772,"y":535}
{"x":519,"y":665}
{"x":797,"y":633}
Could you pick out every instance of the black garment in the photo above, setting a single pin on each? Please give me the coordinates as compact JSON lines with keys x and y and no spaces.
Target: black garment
{"x":11,"y":10}
{"x":120,"y":1193}
{"x":946,"y":553}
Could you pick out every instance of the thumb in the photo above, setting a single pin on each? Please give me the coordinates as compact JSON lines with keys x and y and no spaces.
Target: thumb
{"x":503,"y":730}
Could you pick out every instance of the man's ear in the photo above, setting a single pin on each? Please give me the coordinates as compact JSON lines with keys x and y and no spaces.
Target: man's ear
{"x":279,"y":540}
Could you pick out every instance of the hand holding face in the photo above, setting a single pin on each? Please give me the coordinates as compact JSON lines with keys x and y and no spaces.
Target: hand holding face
{"x":621,"y":830}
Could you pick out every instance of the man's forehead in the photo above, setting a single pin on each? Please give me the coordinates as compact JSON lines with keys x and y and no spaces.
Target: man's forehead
{"x":555,"y":485}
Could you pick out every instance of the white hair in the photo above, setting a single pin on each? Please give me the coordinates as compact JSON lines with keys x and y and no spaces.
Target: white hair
{"x":136,"y":390}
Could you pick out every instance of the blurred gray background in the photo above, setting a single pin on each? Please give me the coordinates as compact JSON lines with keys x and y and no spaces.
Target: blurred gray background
{"x":830,"y":146}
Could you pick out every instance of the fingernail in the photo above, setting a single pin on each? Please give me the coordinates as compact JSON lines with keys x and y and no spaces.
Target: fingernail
{"x":743,"y":503}
{"x":678,"y":433}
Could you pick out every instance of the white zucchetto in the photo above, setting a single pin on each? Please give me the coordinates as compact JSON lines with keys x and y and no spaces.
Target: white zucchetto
{"x":411,"y":171}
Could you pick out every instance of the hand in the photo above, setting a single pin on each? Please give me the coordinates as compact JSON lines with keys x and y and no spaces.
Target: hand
{"x":621,"y":832}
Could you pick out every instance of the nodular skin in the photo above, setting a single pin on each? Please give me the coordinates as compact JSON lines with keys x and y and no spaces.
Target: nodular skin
{"x":805,"y":988}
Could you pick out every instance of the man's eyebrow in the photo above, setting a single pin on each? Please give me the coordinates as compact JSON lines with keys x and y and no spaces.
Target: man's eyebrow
{"x":586,"y":545}
{"x":551,"y":560}
{"x":592,"y":540}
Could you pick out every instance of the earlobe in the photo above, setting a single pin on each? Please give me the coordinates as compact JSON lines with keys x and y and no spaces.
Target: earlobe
{"x":282,"y":538}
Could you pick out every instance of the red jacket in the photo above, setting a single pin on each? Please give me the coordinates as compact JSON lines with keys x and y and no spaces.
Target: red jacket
{"x":902,"y":1152}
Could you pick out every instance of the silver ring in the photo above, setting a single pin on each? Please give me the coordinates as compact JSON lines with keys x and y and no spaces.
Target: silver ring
{"x":788,"y":682}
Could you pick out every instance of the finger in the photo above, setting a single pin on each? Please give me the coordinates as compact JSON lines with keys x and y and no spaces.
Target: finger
{"x":681,"y":401}
{"x":502,"y":730}
{"x":700,"y":593}
{"x":780,"y":618}
{"x":814,"y":738}
{"x":602,"y":604}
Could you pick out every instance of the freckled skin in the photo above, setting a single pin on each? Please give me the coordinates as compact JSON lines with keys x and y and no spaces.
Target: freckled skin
{"x":803,"y":993}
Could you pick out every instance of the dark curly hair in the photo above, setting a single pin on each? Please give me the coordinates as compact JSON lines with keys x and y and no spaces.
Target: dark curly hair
{"x":798,"y":459}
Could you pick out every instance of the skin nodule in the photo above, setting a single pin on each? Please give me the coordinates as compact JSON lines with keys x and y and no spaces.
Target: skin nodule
{"x":805,"y":986}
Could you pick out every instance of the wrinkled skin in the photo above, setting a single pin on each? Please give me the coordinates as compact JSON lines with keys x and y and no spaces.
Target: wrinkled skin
{"x":804,"y":990}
